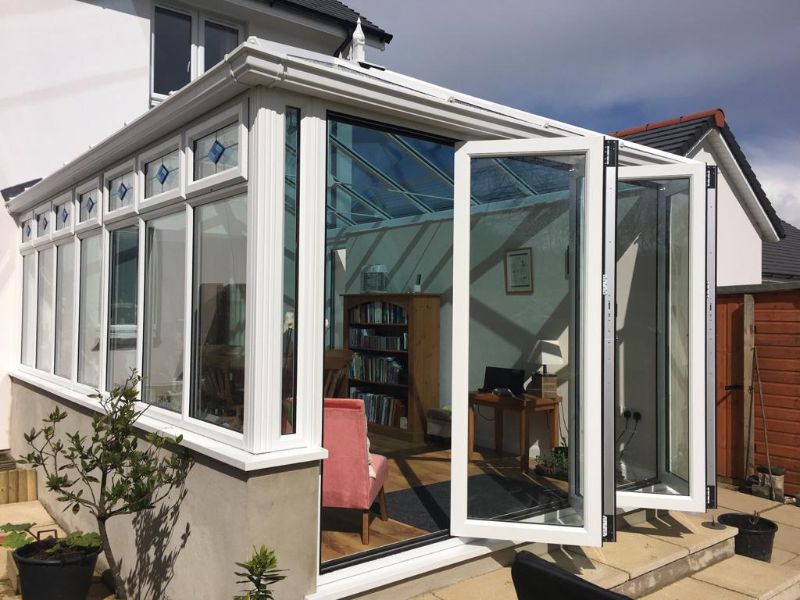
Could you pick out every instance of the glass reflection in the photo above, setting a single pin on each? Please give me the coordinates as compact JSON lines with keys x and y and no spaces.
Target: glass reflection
{"x":123,"y":304}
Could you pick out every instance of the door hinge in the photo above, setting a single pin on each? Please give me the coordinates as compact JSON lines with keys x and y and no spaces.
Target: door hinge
{"x":711,"y":177}
{"x":605,"y":284}
{"x":610,"y":153}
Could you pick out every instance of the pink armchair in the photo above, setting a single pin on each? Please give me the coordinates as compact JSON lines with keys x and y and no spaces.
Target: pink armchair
{"x":346,"y":482}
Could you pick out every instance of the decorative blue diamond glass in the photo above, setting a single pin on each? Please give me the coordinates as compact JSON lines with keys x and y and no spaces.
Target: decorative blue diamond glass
{"x":28,"y":231}
{"x":121,"y":191}
{"x":89,"y":205}
{"x":64,"y":215}
{"x":215,"y":153}
{"x":44,"y":223}
{"x":162,"y":174}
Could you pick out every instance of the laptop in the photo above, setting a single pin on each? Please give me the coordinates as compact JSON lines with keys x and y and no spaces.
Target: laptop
{"x":500,"y":377}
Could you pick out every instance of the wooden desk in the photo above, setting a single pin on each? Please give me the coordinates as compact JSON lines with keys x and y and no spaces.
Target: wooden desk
{"x":524,"y":405}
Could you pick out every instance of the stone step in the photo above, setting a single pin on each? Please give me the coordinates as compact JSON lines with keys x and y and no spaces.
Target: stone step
{"x":737,"y":577}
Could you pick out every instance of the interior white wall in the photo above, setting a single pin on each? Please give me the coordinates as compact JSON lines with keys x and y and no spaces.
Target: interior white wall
{"x":738,"y":241}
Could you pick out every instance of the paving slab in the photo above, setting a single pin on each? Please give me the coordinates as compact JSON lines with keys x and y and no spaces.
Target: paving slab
{"x":637,"y":554}
{"x":793,"y":564}
{"x":25,"y":512}
{"x":496,"y":585}
{"x":743,"y":503}
{"x":693,"y":588}
{"x":786,"y":514}
{"x":749,"y":577}
{"x":695,"y":532}
{"x":574,"y":560}
{"x":788,"y":538}
{"x":781,"y":557}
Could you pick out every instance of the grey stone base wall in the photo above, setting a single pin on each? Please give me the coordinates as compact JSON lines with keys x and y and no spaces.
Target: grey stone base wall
{"x":188,"y":550}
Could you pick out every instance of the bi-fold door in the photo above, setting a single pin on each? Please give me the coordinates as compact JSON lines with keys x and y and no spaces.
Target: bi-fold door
{"x":596,"y":290}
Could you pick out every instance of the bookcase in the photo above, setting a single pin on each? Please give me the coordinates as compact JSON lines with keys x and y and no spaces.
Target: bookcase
{"x":394,"y":339}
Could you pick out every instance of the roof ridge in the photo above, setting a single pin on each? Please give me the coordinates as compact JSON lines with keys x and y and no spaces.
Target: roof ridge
{"x":717,"y":113}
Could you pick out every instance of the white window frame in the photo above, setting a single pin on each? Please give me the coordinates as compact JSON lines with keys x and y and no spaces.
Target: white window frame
{"x":63,"y":241}
{"x":95,"y":186}
{"x":58,"y":203}
{"x":238,"y":112}
{"x":126,"y":168}
{"x":80,"y":237}
{"x":197,"y":53}
{"x":51,"y":332}
{"x":175,"y":143}
{"x":590,"y":357}
{"x":695,"y":501}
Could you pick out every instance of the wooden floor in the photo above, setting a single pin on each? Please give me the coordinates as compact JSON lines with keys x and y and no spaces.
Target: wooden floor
{"x":409,"y":466}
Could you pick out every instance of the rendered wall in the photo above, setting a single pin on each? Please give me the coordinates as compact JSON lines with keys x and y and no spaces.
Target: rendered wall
{"x":738,"y":241}
{"x":190,"y":553}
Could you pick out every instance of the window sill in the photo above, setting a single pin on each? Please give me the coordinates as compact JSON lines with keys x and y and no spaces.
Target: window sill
{"x":235,"y":457}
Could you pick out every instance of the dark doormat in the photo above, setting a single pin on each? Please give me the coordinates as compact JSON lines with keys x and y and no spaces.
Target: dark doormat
{"x":427,"y":507}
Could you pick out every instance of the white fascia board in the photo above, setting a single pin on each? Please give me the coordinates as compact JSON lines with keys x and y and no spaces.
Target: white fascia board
{"x":258,"y":62}
{"x":220,"y":451}
{"x":732,"y":172}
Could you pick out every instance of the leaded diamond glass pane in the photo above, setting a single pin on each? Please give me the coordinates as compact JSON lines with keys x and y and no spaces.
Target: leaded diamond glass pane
{"x":162,"y":174}
{"x":120,"y":191}
{"x":216,"y":152}
{"x":42,"y":224}
{"x":87,"y":206}
{"x":63,"y":216}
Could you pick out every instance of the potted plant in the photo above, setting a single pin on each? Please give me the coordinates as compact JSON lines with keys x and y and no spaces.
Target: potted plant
{"x":261,"y":572}
{"x":553,"y":464}
{"x":52,"y":568}
{"x":107,"y":473}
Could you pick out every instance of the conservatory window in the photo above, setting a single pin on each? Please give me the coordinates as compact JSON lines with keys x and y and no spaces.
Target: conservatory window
{"x":218,"y":307}
{"x":29,"y":309}
{"x":63,"y":216}
{"x":165,"y":272}
{"x":28,"y":231}
{"x":162,"y":174}
{"x":88,"y":206}
{"x":89,"y":311}
{"x":44,"y":312}
{"x":43,"y":224}
{"x":121,"y":191}
{"x":217,"y":151}
{"x":123,"y":300}
{"x":65,"y":294}
{"x":290,"y":254}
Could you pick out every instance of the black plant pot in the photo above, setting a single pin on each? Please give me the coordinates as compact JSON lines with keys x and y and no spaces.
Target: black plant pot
{"x":755,"y":537}
{"x":66,"y":577}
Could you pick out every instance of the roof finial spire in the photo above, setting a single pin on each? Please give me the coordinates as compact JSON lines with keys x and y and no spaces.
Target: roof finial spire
{"x":358,"y":45}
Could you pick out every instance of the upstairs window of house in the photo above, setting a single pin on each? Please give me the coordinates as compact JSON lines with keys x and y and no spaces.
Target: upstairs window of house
{"x":185,"y":45}
{"x":172,"y":50}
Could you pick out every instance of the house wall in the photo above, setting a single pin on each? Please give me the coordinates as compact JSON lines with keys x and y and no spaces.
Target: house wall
{"x":190,"y":552}
{"x":738,"y":240}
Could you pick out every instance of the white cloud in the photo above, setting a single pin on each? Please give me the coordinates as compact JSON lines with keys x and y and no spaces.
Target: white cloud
{"x":777,"y":166}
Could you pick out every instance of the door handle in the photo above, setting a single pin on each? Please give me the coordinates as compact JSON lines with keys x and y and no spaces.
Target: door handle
{"x":734,"y":386}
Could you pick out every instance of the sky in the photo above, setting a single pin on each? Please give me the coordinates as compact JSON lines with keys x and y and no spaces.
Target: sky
{"x":611,"y":64}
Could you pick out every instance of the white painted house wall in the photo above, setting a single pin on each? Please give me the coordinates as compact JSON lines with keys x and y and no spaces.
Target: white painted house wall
{"x":738,"y":239}
{"x":73,"y":73}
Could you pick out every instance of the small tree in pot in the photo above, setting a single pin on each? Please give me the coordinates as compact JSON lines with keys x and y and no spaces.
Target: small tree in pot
{"x":107,"y":473}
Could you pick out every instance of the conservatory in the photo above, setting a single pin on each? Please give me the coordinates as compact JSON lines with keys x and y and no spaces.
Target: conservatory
{"x":400,"y":327}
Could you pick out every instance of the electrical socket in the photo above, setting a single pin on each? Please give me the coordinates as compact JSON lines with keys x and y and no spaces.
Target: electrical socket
{"x":627,"y":414}
{"x":637,"y":416}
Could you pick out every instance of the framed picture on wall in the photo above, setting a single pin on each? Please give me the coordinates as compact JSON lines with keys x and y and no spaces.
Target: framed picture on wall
{"x":519,"y":271}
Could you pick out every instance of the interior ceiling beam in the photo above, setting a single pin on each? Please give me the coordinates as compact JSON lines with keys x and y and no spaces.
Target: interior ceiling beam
{"x":380,"y":174}
{"x":361,"y":198}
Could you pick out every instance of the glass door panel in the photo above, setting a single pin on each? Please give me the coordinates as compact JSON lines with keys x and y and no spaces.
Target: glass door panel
{"x":660,"y":272}
{"x":527,"y":344}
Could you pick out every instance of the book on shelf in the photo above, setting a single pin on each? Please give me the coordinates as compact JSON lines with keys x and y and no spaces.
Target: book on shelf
{"x":378,"y":313}
{"x":382,"y":409}
{"x":377,"y":369}
{"x":369,"y":339}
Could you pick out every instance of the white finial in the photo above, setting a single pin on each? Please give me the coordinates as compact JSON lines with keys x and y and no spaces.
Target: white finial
{"x":358,"y":45}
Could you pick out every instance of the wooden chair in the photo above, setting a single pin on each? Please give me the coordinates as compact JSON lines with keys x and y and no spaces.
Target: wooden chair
{"x":335,"y":367}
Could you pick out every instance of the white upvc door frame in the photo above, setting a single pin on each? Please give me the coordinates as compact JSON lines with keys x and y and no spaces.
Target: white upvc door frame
{"x":591,"y":325}
{"x":695,"y":501}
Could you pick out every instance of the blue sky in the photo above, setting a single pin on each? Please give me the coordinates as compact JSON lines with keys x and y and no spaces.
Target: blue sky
{"x":611,"y":64}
